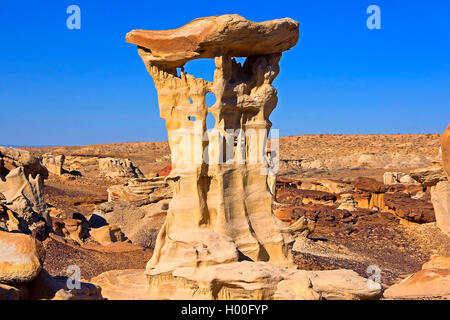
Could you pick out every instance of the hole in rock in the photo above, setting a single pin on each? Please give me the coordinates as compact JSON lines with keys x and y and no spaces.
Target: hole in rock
{"x":191,"y":118}
{"x":210,"y":122}
{"x":190,"y":100}
{"x":240,"y":60}
{"x":210,"y":99}
{"x":201,"y":68}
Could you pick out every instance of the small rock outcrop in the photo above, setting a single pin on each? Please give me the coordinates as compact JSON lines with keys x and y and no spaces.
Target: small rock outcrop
{"x":21,"y":257}
{"x":22,"y":188}
{"x":22,"y":276}
{"x":54,"y":164}
{"x":141,"y":190}
{"x":429,"y":176}
{"x":118,"y":168}
{"x":432,"y":282}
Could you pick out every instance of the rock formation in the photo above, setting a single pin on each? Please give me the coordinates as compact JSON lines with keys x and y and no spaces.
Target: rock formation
{"x":54,"y":164}
{"x":220,"y":213}
{"x":440,"y":193}
{"x":432,"y":282}
{"x":142,"y":190}
{"x":22,"y":275}
{"x":445,"y":147}
{"x":22,"y":188}
{"x":118,"y":168}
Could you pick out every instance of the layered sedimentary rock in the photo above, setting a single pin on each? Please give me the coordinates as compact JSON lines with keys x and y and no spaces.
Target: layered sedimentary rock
{"x":222,"y":179}
{"x":142,"y":190}
{"x":229,"y":198}
{"x":118,"y":168}
{"x":22,"y":188}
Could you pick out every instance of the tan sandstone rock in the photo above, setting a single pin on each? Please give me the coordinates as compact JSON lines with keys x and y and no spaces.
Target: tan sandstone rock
{"x":22,"y":188}
{"x":433,"y":281}
{"x":54,"y":164}
{"x":239,"y":280}
{"x":21,"y":257}
{"x":437,"y":262}
{"x":223,"y":179}
{"x":107,"y":234}
{"x":440,"y":197}
{"x":445,"y":147}
{"x":222,"y":197}
{"x":141,"y":190}
{"x":429,"y":176}
{"x":118,"y":168}
{"x":202,"y":37}
{"x":347,"y":202}
{"x":56,"y":288}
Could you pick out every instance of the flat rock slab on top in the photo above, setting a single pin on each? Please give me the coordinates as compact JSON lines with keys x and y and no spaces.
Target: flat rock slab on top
{"x":205,"y":37}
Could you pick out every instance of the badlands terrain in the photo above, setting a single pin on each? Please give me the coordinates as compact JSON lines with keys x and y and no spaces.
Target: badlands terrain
{"x":398,"y":236}
{"x":341,"y":216}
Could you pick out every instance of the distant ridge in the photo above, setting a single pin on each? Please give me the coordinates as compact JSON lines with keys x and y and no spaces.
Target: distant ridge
{"x":17,"y":146}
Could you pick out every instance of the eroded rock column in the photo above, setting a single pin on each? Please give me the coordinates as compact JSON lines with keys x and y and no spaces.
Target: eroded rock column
{"x":221,"y":179}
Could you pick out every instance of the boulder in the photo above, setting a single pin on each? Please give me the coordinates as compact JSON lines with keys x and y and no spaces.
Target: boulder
{"x":21,"y":257}
{"x":429,"y":176}
{"x":54,"y":164}
{"x":107,"y":234}
{"x":407,"y":179}
{"x":74,"y":229}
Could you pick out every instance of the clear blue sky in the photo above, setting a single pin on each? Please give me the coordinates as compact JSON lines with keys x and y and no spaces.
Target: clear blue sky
{"x":76,"y":87}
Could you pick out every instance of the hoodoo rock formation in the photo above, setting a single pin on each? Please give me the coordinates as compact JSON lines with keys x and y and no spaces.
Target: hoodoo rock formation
{"x":230,"y":197}
{"x":220,"y":213}
{"x":22,"y":188}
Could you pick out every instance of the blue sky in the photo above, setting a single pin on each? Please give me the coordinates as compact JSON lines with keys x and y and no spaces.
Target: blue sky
{"x":76,"y":87}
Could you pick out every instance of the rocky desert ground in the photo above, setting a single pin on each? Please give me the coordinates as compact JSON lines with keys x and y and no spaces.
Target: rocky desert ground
{"x":322,"y":217}
{"x":353,"y":201}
